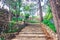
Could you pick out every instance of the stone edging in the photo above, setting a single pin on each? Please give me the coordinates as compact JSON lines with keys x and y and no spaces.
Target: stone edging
{"x":51,"y":33}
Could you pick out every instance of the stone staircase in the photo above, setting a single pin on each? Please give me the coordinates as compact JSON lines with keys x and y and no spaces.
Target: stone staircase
{"x":31,"y":33}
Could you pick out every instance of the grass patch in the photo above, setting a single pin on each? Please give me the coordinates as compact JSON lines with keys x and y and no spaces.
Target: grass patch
{"x":33,"y":21}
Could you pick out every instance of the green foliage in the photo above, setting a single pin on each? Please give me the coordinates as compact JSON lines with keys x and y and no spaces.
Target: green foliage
{"x":47,"y":19}
{"x":14,"y":6}
{"x":27,"y":8}
{"x":1,"y":38}
{"x":49,"y":9}
{"x":33,"y":21}
{"x":49,"y":24}
{"x":11,"y":28}
{"x":26,"y":16}
{"x":15,"y":19}
{"x":48,"y":15}
{"x":20,"y":19}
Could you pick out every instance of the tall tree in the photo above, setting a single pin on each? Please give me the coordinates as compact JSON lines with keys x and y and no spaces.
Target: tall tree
{"x":40,"y":10}
{"x":14,"y":6}
{"x":27,"y":9}
{"x":55,"y":5}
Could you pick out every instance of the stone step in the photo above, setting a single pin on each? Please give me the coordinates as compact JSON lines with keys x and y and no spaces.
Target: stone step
{"x":32,"y":35}
{"x":32,"y":29}
{"x":29,"y":39}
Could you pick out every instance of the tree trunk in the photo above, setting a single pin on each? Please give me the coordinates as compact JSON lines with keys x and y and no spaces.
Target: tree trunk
{"x":40,"y":10}
{"x":55,"y":5}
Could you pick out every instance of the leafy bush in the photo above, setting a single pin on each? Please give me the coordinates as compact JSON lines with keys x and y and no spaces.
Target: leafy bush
{"x":20,"y":19}
{"x":15,"y":19}
{"x":26,"y":16}
{"x":1,"y":38}
{"x":11,"y":28}
{"x":48,"y":14}
{"x":48,"y":17}
{"x":49,"y":24}
{"x":27,"y":8}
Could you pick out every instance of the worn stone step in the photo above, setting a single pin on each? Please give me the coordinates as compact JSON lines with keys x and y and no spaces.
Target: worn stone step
{"x":32,"y":32}
{"x":29,"y":39}
{"x":31,"y":29}
{"x":32,"y":35}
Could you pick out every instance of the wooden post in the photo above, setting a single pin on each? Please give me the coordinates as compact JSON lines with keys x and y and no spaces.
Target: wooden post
{"x":55,"y":5}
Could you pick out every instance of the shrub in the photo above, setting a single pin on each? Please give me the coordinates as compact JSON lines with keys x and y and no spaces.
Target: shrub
{"x":49,"y":24}
{"x":1,"y":38}
{"x":15,"y":19}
